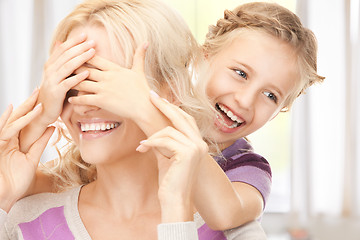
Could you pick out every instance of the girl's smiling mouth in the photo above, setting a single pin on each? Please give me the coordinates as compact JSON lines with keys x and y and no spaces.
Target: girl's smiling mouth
{"x":227,"y":121}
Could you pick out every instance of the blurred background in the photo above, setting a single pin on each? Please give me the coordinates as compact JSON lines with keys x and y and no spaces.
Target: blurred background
{"x":313,"y":149}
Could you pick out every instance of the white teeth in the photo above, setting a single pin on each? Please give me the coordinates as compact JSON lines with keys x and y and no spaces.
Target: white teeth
{"x":230,"y":114}
{"x":234,"y":125}
{"x":97,"y":126}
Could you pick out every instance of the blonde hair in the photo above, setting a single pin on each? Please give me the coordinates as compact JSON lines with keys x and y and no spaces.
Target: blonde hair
{"x":172,"y":50}
{"x":277,"y":21}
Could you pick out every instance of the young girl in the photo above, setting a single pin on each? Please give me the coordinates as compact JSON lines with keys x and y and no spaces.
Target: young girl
{"x":127,"y":193}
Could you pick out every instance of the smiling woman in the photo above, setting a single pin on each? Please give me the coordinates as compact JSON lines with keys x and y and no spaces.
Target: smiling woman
{"x":122,"y":187}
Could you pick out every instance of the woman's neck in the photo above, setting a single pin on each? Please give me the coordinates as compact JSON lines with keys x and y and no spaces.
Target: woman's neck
{"x":127,"y":187}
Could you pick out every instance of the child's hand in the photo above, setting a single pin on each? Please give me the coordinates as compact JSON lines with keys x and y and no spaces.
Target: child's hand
{"x":58,"y":77}
{"x":119,"y":90}
{"x":17,"y":169}
{"x":179,"y":149}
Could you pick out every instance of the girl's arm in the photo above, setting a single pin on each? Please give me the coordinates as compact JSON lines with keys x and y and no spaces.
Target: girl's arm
{"x":243,"y":202}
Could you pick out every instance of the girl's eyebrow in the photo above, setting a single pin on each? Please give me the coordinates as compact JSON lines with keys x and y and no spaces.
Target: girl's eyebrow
{"x":248,"y":68}
{"x":277,"y":90}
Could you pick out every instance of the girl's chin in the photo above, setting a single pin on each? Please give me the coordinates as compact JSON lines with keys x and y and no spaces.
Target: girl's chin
{"x":222,"y":139}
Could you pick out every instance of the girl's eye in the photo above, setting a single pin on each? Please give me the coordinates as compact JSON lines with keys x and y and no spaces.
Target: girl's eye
{"x":241,"y":73}
{"x":271,"y":96}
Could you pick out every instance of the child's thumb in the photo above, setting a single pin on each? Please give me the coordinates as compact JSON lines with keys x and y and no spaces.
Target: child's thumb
{"x":139,"y":57}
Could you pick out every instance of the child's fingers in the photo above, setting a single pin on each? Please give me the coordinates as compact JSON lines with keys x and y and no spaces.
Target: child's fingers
{"x":63,"y":47}
{"x":5,"y":116}
{"x":94,"y":74}
{"x":74,"y":63}
{"x":74,"y":80}
{"x":139,"y":58}
{"x":102,"y":63}
{"x":167,"y":146}
{"x":87,"y":99}
{"x":181,"y":120}
{"x":172,"y":133}
{"x":163,"y":138}
{"x":87,"y":86}
{"x":25,"y":107}
{"x":15,"y":126}
{"x":38,"y":147}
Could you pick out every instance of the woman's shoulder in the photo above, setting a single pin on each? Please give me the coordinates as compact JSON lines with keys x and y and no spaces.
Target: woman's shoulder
{"x":32,"y":210}
{"x":40,"y":201}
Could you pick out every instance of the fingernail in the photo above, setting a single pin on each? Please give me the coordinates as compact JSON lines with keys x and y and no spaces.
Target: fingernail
{"x":138,"y":149}
{"x":146,"y":45}
{"x":37,"y":106}
{"x":143,"y":141}
{"x":165,"y":100}
{"x":152,"y":92}
{"x":91,"y":42}
{"x":35,"y":91}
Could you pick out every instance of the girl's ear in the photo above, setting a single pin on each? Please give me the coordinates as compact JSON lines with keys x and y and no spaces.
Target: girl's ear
{"x":284,"y":109}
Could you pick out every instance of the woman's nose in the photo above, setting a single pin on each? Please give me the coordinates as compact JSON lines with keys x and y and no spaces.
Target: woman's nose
{"x":83,"y":109}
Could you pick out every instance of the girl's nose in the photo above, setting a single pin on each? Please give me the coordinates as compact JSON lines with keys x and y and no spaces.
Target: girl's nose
{"x":246,"y":98}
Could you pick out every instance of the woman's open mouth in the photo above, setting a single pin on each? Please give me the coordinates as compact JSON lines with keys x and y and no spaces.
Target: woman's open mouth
{"x":91,"y":130}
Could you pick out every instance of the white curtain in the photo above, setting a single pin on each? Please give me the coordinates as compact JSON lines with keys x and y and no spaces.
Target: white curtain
{"x":326,"y":135}
{"x":26,"y":29}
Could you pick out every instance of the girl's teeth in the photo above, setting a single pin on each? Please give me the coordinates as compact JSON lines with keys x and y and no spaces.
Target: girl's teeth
{"x":230,"y":114}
